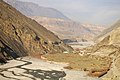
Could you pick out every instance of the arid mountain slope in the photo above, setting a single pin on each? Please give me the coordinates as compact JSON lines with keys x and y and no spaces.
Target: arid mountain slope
{"x":32,"y":9}
{"x":94,"y":28}
{"x":21,"y":36}
{"x":106,"y":32}
{"x":110,"y":46}
{"x":69,"y":29}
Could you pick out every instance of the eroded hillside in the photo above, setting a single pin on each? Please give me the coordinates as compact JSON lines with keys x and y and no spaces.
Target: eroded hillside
{"x":21,"y":36}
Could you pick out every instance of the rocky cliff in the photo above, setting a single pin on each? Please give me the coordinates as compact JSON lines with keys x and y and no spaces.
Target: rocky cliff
{"x":21,"y":36}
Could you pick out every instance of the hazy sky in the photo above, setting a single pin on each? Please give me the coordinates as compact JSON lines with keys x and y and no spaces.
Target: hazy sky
{"x":90,"y":11}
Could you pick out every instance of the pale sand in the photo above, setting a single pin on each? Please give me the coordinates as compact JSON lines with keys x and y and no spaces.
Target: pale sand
{"x":19,"y":73}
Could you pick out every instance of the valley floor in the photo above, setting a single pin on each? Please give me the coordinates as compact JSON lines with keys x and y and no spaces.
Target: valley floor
{"x":29,"y":68}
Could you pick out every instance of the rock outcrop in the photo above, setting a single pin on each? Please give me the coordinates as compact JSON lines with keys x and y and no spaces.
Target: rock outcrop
{"x":21,"y":36}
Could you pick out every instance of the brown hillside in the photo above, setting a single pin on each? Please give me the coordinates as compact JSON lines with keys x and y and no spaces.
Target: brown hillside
{"x":21,"y":36}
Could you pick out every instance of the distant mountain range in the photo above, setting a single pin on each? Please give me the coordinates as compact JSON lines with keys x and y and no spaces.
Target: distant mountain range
{"x":56,"y":22}
{"x":32,"y":9}
{"x":67,"y":29}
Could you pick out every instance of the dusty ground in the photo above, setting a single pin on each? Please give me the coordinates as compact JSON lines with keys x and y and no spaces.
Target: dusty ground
{"x":35,"y":69}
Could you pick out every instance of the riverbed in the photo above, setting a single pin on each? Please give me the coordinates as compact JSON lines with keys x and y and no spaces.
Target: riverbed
{"x":28,"y":68}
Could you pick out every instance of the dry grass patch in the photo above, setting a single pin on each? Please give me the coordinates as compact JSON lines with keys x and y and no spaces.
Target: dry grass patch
{"x":78,"y":62}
